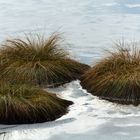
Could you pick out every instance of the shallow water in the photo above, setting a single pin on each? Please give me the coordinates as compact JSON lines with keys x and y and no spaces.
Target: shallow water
{"x":89,"y":26}
{"x":88,"y":119}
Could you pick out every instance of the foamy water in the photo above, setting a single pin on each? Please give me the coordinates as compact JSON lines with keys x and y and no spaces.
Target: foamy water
{"x":89,"y":26}
{"x":88,"y":118}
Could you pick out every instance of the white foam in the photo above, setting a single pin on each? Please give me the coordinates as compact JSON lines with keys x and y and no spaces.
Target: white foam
{"x":88,"y":113}
{"x":132,"y":5}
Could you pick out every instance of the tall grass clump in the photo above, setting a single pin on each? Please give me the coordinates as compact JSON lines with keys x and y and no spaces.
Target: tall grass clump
{"x":22,"y":104}
{"x":117,"y":77}
{"x":39,"y":61}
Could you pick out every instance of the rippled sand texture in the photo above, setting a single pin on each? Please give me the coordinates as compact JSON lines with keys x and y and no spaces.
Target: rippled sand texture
{"x":89,"y":26}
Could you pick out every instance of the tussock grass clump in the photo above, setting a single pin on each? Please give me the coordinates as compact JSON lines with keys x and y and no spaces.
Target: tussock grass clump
{"x":117,"y":77}
{"x":39,"y":61}
{"x":21,"y":104}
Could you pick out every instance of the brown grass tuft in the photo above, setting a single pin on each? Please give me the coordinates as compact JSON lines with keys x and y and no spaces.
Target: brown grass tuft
{"x":117,"y":77}
{"x":21,"y":104}
{"x":39,"y":61}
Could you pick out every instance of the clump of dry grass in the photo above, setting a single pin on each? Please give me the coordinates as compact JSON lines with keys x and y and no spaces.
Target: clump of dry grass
{"x":117,"y":77}
{"x":21,"y":104}
{"x":39,"y":61}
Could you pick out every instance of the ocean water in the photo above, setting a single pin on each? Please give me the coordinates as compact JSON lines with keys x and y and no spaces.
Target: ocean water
{"x":89,"y":27}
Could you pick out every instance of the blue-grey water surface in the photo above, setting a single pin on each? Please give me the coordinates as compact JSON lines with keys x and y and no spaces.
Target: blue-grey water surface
{"x":89,"y":26}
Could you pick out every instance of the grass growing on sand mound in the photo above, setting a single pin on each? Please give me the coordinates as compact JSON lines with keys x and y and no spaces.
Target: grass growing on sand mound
{"x":21,"y":104}
{"x":39,"y":61}
{"x":117,"y":77}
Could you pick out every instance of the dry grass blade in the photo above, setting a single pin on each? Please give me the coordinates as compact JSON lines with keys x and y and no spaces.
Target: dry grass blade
{"x":21,"y":104}
{"x":38,"y":61}
{"x":117,"y":77}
